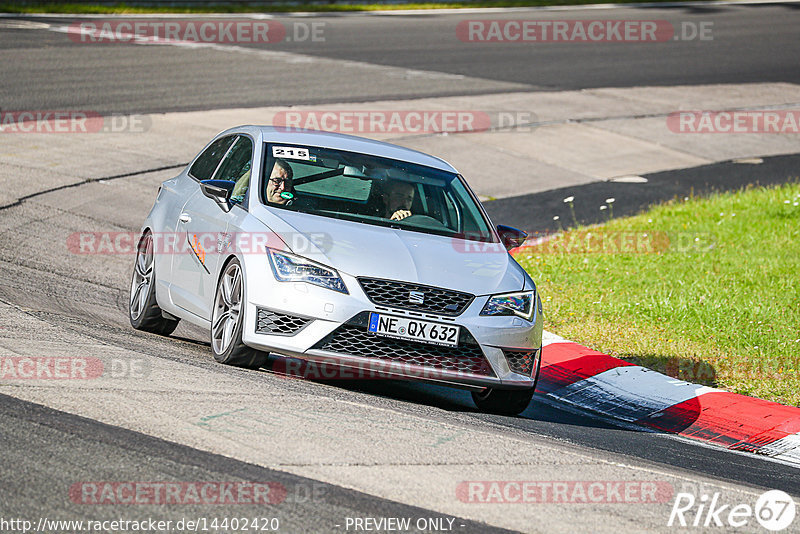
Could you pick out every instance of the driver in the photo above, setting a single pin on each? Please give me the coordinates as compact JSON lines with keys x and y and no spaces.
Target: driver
{"x":397,"y":199}
{"x":280,"y":186}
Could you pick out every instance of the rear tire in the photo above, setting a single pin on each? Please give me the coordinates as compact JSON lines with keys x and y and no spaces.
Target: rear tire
{"x":143,"y":310}
{"x":503,"y":402}
{"x":227,"y":321}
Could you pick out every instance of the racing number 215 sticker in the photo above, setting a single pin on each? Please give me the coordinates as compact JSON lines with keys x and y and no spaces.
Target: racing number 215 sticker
{"x":290,"y":152}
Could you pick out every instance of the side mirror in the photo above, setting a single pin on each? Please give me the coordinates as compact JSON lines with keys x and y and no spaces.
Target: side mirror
{"x":511,"y":237}
{"x":219,"y":191}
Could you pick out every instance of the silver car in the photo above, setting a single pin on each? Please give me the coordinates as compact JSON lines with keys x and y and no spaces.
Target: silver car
{"x":335,"y":250}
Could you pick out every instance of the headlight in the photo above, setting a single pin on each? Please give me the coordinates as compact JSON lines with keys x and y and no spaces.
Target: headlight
{"x":291,"y":268}
{"x":520,"y":304}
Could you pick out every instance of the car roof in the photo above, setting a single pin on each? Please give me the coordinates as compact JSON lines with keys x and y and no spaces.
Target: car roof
{"x":351,"y":143}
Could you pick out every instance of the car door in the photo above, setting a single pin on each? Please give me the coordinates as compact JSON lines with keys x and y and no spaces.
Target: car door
{"x":202,"y":228}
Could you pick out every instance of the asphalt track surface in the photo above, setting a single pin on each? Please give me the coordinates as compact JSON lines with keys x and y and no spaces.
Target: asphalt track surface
{"x":421,"y":56}
{"x":300,"y":505}
{"x":43,"y":70}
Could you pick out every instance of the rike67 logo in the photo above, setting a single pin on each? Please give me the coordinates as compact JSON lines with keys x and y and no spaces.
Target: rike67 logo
{"x":774,"y":510}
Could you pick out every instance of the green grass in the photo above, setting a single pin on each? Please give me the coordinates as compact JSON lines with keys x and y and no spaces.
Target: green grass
{"x":711,"y":295}
{"x":84,"y":8}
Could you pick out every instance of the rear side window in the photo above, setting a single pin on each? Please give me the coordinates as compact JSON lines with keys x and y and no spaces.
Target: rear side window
{"x":207,"y":162}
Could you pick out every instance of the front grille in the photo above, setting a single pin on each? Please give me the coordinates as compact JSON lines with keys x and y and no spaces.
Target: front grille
{"x":274,"y":323}
{"x":521,"y":362}
{"x":353,"y":339}
{"x":397,"y":294}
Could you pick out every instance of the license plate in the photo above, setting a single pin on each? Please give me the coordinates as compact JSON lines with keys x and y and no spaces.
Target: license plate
{"x":405,"y":328}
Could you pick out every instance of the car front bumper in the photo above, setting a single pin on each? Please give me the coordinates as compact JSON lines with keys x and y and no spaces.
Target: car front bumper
{"x":329,"y":328}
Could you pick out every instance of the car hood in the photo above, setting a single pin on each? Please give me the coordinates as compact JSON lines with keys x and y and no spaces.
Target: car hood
{"x":361,"y":249}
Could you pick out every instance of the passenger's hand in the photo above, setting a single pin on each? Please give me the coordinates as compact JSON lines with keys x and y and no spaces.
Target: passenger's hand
{"x":400,"y":214}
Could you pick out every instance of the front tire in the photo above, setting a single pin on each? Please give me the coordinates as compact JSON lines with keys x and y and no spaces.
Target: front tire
{"x":503,"y":402}
{"x":227,"y":321}
{"x":143,"y":310}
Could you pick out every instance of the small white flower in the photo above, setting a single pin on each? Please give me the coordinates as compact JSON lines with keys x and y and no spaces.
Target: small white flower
{"x":722,"y":214}
{"x":610,"y":200}
{"x":649,"y":220}
{"x":568,"y":200}
{"x":787,"y":201}
{"x":603,"y":207}
{"x":795,"y":203}
{"x":696,"y":239}
{"x":556,"y":218}
{"x":733,"y":215}
{"x":685,"y":198}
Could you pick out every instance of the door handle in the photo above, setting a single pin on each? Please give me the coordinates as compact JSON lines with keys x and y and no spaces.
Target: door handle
{"x":184,"y":218}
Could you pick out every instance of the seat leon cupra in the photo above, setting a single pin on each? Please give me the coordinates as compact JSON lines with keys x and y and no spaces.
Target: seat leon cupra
{"x":321,"y":247}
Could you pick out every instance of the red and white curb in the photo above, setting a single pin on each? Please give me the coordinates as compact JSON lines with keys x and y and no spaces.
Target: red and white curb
{"x":590,"y":380}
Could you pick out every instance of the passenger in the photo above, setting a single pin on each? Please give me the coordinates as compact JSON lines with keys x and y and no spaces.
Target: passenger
{"x":240,"y":189}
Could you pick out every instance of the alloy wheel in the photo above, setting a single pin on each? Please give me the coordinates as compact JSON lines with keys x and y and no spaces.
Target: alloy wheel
{"x":227,"y":308}
{"x":142,"y":278}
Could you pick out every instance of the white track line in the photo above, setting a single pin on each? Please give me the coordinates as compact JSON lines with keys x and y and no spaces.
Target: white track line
{"x":786,"y":449}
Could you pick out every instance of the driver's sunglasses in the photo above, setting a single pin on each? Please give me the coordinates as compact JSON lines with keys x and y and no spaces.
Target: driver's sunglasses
{"x":279,"y":181}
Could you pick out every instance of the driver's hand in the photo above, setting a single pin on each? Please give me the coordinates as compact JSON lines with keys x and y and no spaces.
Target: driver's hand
{"x":400,"y":214}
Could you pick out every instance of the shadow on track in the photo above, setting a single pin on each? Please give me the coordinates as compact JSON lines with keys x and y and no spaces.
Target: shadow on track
{"x":437,"y":396}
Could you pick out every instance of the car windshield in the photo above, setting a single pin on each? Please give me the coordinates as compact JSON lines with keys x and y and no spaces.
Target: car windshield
{"x":371,"y":190}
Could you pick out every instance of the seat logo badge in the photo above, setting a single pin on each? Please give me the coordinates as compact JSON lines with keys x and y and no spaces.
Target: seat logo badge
{"x":416,"y":297}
